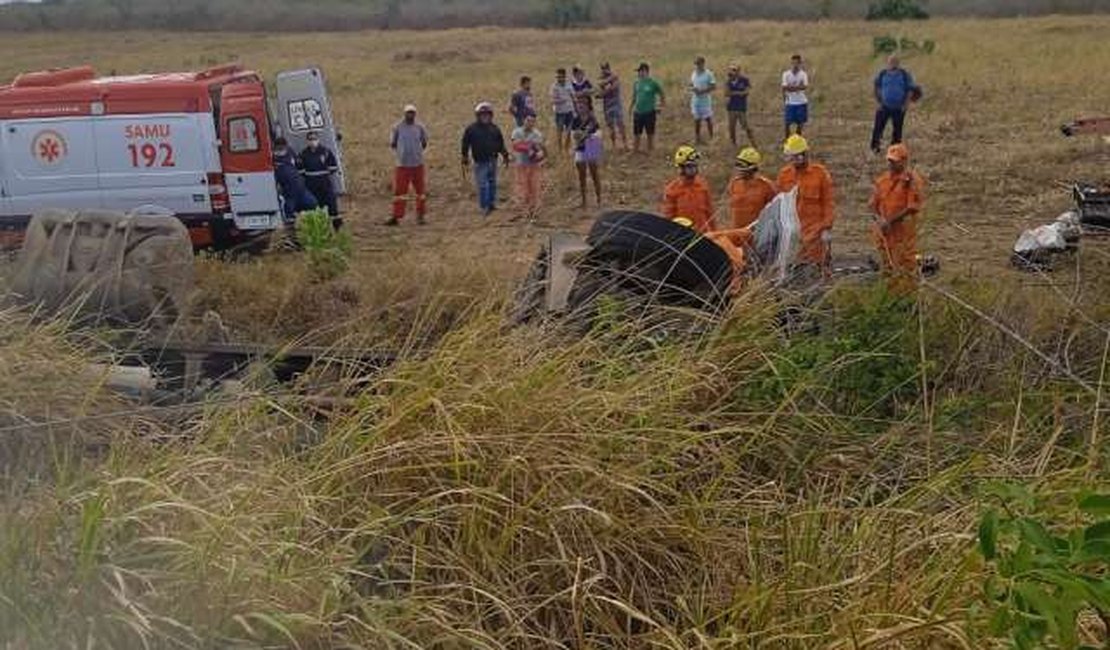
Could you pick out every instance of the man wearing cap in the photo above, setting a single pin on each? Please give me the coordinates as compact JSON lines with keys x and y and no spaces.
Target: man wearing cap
{"x":816,"y":208}
{"x":895,"y":203}
{"x":748,"y":191}
{"x":320,"y":165}
{"x":408,"y":141}
{"x":647,"y":100}
{"x":738,"y":88}
{"x":483,"y":142}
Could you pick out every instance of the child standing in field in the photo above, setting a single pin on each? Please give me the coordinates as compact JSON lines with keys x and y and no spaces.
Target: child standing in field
{"x":530,"y":154}
{"x":610,"y":89}
{"x":738,"y":88}
{"x":587,"y":150}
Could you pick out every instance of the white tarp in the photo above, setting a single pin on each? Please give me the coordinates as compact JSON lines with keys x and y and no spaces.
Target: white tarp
{"x":778,"y":235}
{"x":1042,"y":238}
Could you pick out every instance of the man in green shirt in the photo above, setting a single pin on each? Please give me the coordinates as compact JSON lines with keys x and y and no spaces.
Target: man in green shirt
{"x":647,"y":100}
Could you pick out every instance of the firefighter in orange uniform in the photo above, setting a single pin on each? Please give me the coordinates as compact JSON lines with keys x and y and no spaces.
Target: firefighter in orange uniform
{"x":748,"y":191}
{"x":896,"y":202}
{"x":687,"y":196}
{"x":816,"y":210}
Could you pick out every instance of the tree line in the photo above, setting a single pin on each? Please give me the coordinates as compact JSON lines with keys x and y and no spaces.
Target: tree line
{"x":336,"y":15}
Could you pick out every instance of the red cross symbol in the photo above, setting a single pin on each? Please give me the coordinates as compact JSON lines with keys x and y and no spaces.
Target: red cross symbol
{"x":49,"y":149}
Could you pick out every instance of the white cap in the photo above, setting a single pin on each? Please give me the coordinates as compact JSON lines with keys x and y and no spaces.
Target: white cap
{"x":410,"y":108}
{"x":483,"y":107}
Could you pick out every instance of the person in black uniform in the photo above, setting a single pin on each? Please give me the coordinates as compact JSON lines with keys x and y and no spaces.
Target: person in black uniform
{"x":319,"y":165}
{"x":287,"y":170}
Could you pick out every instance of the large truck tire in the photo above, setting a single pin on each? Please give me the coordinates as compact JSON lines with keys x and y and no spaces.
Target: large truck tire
{"x":645,"y":252}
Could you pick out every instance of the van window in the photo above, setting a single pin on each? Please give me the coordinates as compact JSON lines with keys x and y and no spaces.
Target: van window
{"x":243,"y":133}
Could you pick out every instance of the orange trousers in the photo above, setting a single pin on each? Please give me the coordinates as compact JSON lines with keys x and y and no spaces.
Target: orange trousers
{"x":898,"y":249}
{"x":403,"y":179}
{"x":528,"y":186}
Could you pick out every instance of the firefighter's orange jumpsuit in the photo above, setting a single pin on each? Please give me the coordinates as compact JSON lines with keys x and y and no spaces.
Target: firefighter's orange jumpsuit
{"x":734,"y":243}
{"x":816,"y":209}
{"x":897,"y":193}
{"x":689,"y":197}
{"x":747,"y":197}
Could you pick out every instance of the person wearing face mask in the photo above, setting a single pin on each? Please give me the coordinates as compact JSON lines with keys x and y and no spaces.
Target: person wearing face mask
{"x":687,"y":196}
{"x":320,"y":166}
{"x":287,"y":171}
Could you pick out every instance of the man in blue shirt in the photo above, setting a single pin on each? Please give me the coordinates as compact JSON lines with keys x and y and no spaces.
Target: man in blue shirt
{"x":894,"y":90}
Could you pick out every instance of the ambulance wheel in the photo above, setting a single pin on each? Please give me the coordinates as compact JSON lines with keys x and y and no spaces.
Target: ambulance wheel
{"x":670,"y":260}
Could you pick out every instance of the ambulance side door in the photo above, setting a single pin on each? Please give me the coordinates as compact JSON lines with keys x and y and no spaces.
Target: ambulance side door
{"x":246,"y":156}
{"x":154,"y":159}
{"x":50,"y":163}
{"x":303,"y":106}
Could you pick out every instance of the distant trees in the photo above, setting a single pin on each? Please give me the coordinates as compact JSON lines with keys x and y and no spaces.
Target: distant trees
{"x":896,"y":10}
{"x":340,"y":15}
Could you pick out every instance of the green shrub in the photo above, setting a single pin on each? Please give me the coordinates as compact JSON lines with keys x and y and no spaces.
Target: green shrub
{"x":327,"y":250}
{"x":859,"y":358}
{"x":896,"y":10}
{"x":1043,"y":578}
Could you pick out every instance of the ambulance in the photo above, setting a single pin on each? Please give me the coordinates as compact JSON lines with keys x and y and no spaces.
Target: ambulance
{"x":194,"y":144}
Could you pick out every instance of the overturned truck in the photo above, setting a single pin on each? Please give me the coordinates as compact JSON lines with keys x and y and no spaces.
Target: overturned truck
{"x":643,"y":258}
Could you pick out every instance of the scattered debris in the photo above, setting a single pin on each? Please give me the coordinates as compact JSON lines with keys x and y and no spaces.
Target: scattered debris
{"x":1037,"y":249}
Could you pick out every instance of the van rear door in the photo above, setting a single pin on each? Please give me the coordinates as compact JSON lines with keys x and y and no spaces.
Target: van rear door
{"x":303,"y":106}
{"x":50,"y":163}
{"x":246,"y":156}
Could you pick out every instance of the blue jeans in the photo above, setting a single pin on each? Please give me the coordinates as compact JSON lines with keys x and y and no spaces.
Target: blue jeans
{"x":485,"y":177}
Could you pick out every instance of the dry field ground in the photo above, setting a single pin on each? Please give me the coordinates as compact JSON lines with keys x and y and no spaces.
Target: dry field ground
{"x":986,"y":135}
{"x":516,"y":489}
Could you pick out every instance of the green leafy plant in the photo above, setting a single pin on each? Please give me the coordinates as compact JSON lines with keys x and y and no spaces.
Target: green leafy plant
{"x":861,"y":357}
{"x":887,"y":44}
{"x":327,"y":250}
{"x":896,"y":10}
{"x":1044,"y":577}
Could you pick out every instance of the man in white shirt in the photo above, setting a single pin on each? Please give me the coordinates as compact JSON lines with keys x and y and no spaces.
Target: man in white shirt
{"x":795,"y":83}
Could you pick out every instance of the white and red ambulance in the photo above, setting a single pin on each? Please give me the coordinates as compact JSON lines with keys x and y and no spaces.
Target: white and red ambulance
{"x":197,"y":144}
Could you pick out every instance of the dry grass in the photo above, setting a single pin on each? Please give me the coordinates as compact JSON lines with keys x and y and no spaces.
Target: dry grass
{"x":516,"y":489}
{"x":985,"y":136}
